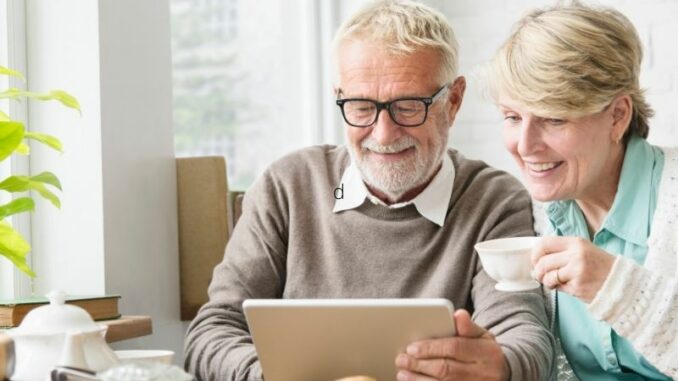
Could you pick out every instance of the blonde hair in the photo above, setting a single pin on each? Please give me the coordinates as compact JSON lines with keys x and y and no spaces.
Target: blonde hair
{"x":401,"y":27}
{"x":570,"y":61}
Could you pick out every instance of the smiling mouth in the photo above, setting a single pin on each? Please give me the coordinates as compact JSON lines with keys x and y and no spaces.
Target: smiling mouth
{"x":390,"y":152}
{"x":543,"y":168}
{"x":390,"y":156}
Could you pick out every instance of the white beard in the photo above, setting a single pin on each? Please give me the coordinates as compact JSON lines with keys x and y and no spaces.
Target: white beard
{"x":397,"y":178}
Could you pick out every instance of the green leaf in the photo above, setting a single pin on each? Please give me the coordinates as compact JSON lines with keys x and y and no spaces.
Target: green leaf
{"x":16,"y":183}
{"x":47,"y":194}
{"x":36,"y":183}
{"x":23,"y":149}
{"x":48,"y":178}
{"x":65,"y":98}
{"x":58,"y":95}
{"x":19,"y":205}
{"x":45,"y":139}
{"x":14,"y":247}
{"x":4,"y":117}
{"x":10,"y":72}
{"x":11,"y":135}
{"x":12,"y":93}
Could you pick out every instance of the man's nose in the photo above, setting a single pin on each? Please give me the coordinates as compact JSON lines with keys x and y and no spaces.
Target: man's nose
{"x":385,"y":131}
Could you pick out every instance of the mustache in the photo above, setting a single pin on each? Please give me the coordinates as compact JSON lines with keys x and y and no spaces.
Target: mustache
{"x":399,"y":145}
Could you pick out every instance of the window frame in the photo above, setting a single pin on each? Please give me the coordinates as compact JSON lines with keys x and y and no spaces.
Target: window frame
{"x":13,"y":26}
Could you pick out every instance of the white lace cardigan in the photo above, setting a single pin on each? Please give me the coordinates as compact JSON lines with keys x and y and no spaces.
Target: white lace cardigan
{"x":641,"y":302}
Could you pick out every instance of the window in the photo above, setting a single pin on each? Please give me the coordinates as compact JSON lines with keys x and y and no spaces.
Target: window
{"x":6,"y":269}
{"x":12,"y":54}
{"x":251,"y":80}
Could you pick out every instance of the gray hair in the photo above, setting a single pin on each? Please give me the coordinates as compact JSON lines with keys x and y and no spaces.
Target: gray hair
{"x":401,"y":27}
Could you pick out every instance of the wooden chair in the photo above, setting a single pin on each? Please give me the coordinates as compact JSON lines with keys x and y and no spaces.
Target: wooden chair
{"x":202,"y":192}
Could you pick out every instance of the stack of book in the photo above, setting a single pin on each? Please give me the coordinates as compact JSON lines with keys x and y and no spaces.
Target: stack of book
{"x":12,"y":312}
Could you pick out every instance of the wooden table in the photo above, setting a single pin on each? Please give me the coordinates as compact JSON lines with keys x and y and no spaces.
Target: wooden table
{"x":127,"y":327}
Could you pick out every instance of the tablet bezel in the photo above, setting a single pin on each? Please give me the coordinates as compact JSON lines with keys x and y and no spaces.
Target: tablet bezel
{"x":327,"y":339}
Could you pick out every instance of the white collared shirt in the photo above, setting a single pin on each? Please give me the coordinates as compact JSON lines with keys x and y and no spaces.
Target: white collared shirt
{"x":431,"y":203}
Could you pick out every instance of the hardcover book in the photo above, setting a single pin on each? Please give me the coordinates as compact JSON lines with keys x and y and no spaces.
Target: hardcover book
{"x":104,"y":307}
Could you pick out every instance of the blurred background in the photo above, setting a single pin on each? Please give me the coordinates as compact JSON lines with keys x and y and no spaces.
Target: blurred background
{"x":252,"y":79}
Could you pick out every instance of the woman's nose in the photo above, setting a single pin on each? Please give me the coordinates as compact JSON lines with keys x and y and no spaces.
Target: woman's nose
{"x":529,"y":139}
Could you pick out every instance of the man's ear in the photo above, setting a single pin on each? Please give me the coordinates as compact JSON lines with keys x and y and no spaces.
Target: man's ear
{"x":622,"y":111}
{"x":456,"y":95}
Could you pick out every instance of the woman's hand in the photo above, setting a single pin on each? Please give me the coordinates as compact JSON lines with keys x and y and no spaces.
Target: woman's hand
{"x":571,"y":264}
{"x":473,"y":354}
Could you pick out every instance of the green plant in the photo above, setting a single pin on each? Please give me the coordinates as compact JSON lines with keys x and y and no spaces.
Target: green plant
{"x":13,"y":137}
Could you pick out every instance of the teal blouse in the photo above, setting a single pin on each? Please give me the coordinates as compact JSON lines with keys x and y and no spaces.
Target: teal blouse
{"x":592,"y":347}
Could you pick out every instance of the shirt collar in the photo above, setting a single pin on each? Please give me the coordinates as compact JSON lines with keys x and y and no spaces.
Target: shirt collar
{"x":431,"y":203}
{"x":631,"y":203}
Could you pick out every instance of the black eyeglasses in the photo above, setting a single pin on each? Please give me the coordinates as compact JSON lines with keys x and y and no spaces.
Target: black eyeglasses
{"x":405,"y":112}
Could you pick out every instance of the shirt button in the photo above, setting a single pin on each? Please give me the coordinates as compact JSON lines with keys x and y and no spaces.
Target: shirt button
{"x":612,"y":360}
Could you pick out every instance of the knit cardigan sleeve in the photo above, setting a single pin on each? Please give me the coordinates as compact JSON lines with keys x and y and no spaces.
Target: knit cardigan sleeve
{"x":641,"y":302}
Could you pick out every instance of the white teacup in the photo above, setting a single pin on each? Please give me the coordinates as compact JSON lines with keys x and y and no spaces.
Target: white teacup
{"x":137,"y":356}
{"x":507,"y":260}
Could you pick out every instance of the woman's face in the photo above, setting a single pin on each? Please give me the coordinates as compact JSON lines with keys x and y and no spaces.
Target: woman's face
{"x":562,"y":158}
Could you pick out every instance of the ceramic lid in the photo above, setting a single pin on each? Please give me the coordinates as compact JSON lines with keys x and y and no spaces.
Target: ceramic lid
{"x":56,"y":317}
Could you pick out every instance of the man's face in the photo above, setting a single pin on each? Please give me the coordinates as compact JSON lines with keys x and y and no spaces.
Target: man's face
{"x":394,"y":159}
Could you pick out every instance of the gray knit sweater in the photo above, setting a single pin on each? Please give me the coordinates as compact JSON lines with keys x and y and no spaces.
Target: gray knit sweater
{"x":289,"y":244}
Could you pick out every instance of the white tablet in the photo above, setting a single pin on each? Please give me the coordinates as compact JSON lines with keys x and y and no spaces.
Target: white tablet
{"x":327,"y":339}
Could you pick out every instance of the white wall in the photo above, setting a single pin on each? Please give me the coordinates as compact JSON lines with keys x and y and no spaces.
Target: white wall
{"x":139,"y":182}
{"x":117,"y":230}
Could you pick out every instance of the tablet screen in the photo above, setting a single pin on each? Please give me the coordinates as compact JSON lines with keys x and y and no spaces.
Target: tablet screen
{"x":327,"y":339}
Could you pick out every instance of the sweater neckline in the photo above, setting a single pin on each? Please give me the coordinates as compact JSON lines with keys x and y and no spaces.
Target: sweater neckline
{"x":382,"y":212}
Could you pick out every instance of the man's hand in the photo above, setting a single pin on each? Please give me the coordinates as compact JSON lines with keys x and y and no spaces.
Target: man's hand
{"x":473,"y":354}
{"x":571,"y":264}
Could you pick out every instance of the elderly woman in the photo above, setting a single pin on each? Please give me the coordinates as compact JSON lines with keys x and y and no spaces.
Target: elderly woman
{"x":576,"y":122}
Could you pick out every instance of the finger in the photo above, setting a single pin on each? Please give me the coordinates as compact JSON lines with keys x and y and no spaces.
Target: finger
{"x":549,"y":245}
{"x":566,"y":273}
{"x":465,"y":326}
{"x":436,"y":368}
{"x":538,"y":251}
{"x":550,"y":262}
{"x":404,"y":375}
{"x":466,"y":346}
{"x":463,"y":349}
{"x":550,"y":280}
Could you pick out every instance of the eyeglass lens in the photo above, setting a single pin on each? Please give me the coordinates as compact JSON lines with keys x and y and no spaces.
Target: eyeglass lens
{"x":406,"y":112}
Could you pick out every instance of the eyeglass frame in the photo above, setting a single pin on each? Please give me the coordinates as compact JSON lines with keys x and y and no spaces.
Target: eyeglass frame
{"x":428,"y":101}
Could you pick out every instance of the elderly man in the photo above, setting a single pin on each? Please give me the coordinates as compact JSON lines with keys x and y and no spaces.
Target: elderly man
{"x":401,"y":225}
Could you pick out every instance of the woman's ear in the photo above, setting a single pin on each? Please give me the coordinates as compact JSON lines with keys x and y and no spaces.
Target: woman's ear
{"x":622,"y":111}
